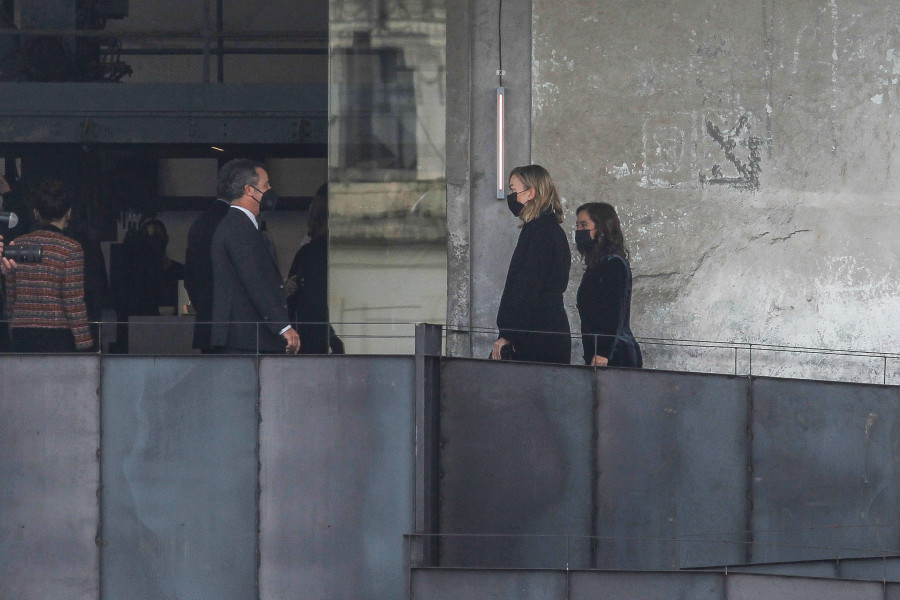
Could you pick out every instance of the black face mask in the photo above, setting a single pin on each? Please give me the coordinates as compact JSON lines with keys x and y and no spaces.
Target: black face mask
{"x":514,"y":206}
{"x":584,"y":241}
{"x":268,"y":200}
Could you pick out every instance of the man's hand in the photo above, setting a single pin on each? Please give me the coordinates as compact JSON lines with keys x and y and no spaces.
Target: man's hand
{"x":293,"y":341}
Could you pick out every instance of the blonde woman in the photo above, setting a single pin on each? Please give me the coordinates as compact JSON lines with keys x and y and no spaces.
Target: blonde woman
{"x":532,"y":321}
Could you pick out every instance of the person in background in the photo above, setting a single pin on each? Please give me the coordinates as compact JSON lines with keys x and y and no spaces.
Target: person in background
{"x":307,"y":284}
{"x":531,"y":319}
{"x":164,"y":273}
{"x":198,"y":278}
{"x":46,"y":300}
{"x":604,"y":296}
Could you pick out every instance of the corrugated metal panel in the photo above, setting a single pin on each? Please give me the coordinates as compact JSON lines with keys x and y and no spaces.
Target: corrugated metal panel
{"x":598,"y":585}
{"x":465,"y":584}
{"x":471,"y":584}
{"x":49,"y":477}
{"x":772,"y":587}
{"x":826,"y":470}
{"x":179,"y":478}
{"x":673,"y":464}
{"x":516,"y":458}
{"x":338,"y":460}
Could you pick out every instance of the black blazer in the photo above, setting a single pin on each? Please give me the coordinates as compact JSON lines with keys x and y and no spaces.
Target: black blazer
{"x":247,"y":288}
{"x":198,"y":277}
{"x":533,"y":295}
{"x":604,"y":305}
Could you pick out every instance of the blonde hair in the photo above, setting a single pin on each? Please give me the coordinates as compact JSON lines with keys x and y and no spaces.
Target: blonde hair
{"x":546,"y":198}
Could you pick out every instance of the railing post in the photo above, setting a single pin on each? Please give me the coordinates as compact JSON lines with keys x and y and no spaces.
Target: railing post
{"x":424,"y":548}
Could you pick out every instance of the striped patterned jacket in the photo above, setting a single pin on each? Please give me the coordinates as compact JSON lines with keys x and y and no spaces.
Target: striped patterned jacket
{"x":50,"y":294}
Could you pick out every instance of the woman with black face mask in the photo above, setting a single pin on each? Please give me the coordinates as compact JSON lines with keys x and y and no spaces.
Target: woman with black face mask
{"x":604,"y":296}
{"x":532,"y":321}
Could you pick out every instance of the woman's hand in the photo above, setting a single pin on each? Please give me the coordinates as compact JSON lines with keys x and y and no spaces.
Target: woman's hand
{"x":599,"y":361}
{"x":498,"y":345}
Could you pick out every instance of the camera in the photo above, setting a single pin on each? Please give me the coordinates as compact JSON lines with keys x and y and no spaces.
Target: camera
{"x":24,"y":253}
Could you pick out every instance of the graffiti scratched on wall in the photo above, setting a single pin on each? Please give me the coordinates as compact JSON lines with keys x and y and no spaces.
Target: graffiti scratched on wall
{"x":670,"y":150}
{"x":741,"y":151}
{"x":690,"y":150}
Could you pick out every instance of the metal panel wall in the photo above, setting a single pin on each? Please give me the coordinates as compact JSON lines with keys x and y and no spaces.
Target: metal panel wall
{"x":179,"y":469}
{"x":49,"y":477}
{"x":525,"y":450}
{"x":826,"y":470}
{"x":471,"y":584}
{"x":465,"y":584}
{"x":673,"y":465}
{"x":770,"y":587}
{"x":516,"y":459}
{"x":337,"y":447}
{"x":595,"y":585}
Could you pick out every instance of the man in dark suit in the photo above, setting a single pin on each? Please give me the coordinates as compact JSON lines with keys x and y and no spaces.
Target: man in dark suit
{"x":198,"y":276}
{"x":249,"y":304}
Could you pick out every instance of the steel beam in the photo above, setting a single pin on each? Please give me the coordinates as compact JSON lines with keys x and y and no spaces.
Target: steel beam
{"x":154,"y":113}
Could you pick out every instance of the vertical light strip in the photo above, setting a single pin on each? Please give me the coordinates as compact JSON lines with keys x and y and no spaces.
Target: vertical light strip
{"x":501,"y":92}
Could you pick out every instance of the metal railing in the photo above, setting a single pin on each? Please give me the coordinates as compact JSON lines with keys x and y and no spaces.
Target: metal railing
{"x":173,"y":336}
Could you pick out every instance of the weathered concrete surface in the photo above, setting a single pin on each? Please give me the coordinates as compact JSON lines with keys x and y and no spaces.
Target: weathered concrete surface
{"x":790,"y":241}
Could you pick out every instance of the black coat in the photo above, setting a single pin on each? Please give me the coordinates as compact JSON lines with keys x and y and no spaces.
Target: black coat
{"x":247,"y":288}
{"x":604,"y":305}
{"x":308,"y":305}
{"x":198,"y":276}
{"x":532,"y":298}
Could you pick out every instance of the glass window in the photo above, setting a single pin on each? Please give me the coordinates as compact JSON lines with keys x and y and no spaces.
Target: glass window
{"x":386,"y":169}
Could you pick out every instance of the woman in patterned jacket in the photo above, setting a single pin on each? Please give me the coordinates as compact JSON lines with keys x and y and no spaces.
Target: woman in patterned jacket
{"x":46,"y":299}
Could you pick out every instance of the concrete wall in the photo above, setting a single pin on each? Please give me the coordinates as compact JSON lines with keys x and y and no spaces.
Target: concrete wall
{"x":787,"y":238}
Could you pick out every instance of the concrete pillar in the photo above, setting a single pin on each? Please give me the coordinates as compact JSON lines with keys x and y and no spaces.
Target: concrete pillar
{"x":481,"y":232}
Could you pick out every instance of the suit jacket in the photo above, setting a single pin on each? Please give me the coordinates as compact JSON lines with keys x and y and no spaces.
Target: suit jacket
{"x":247,"y":288}
{"x":198,"y":276}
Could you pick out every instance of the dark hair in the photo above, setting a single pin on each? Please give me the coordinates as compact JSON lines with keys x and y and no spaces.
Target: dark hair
{"x":155,"y":228}
{"x":234,"y":175}
{"x":318,"y":213}
{"x":609,"y":233}
{"x":51,"y":200}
